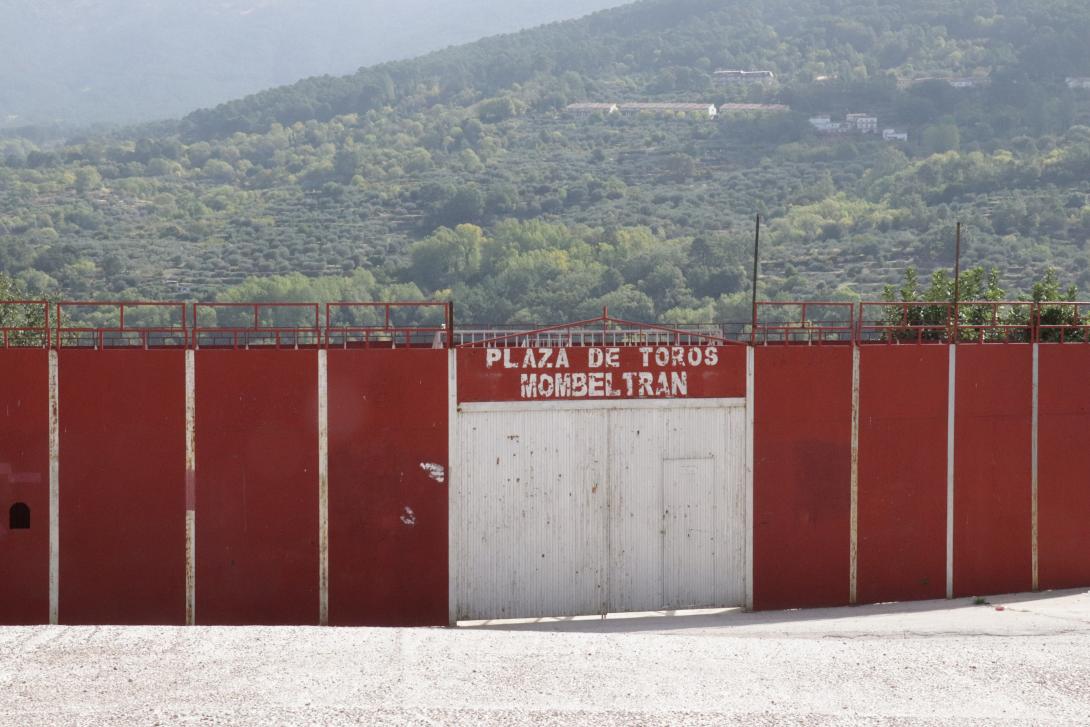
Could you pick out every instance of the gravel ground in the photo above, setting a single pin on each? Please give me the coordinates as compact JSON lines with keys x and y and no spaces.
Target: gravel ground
{"x":931,"y":663}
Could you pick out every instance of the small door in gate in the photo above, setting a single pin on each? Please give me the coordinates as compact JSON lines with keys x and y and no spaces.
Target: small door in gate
{"x":688,"y":532}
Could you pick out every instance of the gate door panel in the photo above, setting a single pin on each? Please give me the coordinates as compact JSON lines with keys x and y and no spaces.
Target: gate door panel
{"x":575,"y":508}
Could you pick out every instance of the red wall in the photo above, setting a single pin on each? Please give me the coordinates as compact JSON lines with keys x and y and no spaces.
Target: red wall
{"x":387,"y":516}
{"x":122,"y":487}
{"x":257,"y":487}
{"x":122,"y":480}
{"x":24,"y":477}
{"x":802,"y":476}
{"x":992,"y":477}
{"x":902,"y":472}
{"x":1063,"y":480}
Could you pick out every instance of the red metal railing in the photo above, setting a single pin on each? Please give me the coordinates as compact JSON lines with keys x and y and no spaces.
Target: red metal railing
{"x":602,"y":331}
{"x":905,"y":322}
{"x":1062,"y":322}
{"x":25,"y":324}
{"x":430,"y":324}
{"x":810,"y":323}
{"x":995,"y":322}
{"x":383,"y":325}
{"x":121,"y":324}
{"x":257,"y":325}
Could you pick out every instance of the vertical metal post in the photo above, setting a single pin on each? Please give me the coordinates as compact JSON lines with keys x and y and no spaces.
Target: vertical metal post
{"x":450,"y":324}
{"x":323,"y":487}
{"x":751,"y":355}
{"x":54,"y":487}
{"x":1034,"y":473}
{"x":957,"y":281}
{"x":756,"y":262}
{"x":454,"y":492}
{"x":951,"y":412}
{"x":853,"y":558}
{"x":190,"y":487}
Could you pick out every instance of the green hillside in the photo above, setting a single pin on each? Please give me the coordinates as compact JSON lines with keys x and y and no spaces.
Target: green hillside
{"x":460,"y":173}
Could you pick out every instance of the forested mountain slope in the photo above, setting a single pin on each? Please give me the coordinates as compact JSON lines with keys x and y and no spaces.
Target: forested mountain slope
{"x":129,"y":60}
{"x":459,"y":173}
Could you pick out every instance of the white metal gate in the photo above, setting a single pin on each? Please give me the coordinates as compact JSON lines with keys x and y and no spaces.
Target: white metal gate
{"x":569,"y":508}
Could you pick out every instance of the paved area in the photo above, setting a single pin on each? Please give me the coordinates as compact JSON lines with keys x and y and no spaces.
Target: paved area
{"x":931,"y":663}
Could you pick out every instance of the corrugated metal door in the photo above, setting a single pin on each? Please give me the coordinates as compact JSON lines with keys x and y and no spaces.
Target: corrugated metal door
{"x":583,"y":508}
{"x":529,"y":516}
{"x":688,"y":532}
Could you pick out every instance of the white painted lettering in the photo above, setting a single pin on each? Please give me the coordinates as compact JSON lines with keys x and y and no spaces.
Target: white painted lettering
{"x":563,"y":386}
{"x":668,"y":379}
{"x":492,"y":356}
{"x":610,"y":391}
{"x":546,"y":386}
{"x":528,"y":388}
{"x":595,"y":385}
{"x":579,"y":386}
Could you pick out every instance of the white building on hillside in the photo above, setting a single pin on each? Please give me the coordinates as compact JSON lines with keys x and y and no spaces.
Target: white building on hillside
{"x":739,"y":76}
{"x":703,"y":109}
{"x":864,"y":123}
{"x":852,"y":124}
{"x":894,"y":135}
{"x":590,"y":109}
{"x":1080,"y":82}
{"x":770,"y":107}
{"x":825,"y":125}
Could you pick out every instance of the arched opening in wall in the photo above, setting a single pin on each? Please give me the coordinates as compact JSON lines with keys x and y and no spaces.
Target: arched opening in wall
{"x":19,"y":517}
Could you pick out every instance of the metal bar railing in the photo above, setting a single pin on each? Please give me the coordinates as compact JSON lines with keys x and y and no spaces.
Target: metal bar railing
{"x":261,"y":328}
{"x":80,"y":324}
{"x":380,"y":329}
{"x":430,"y":324}
{"x":810,"y":323}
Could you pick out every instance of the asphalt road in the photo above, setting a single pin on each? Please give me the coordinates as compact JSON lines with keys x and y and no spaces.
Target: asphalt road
{"x":931,"y":663}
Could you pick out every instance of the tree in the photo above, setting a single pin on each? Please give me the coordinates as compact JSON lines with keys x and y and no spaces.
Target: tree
{"x":447,"y":257}
{"x":87,"y":179}
{"x":497,"y":109}
{"x":17,"y":321}
{"x":680,"y":167}
{"x":940,"y":138}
